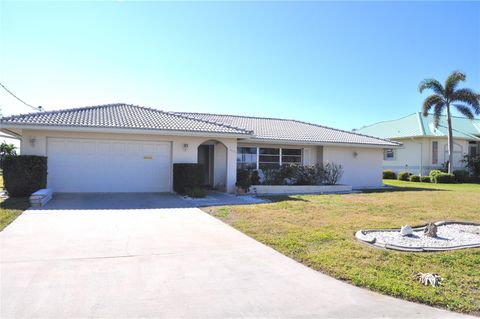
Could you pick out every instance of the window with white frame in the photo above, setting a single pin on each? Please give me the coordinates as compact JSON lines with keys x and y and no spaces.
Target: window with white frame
{"x":291,"y":156}
{"x":389,"y":154}
{"x":268,"y":157}
{"x":246,"y":158}
{"x":434,"y":152}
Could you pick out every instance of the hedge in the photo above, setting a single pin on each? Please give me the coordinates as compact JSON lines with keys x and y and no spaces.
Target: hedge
{"x":444,"y":178}
{"x":387,"y":174}
{"x":461,"y":176}
{"x":187,"y":176}
{"x":403,"y":176}
{"x":414,"y":178}
{"x":24,"y":174}
{"x":425,"y":179}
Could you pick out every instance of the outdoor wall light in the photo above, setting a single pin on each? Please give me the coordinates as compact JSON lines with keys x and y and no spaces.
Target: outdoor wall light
{"x":185,"y":146}
{"x":355,"y":154}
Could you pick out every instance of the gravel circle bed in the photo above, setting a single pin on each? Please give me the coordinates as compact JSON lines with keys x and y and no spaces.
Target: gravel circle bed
{"x":450,"y":235}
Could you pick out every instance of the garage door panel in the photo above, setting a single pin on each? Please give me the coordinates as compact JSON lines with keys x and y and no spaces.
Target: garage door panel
{"x":88,"y":165}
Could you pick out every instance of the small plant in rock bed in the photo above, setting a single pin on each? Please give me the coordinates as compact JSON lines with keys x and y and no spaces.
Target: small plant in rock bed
{"x":414,"y":178}
{"x":388,"y":174}
{"x":403,"y":176}
{"x":196,"y":192}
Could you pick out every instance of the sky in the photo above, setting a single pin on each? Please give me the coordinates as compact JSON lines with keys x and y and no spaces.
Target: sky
{"x":340,"y":64}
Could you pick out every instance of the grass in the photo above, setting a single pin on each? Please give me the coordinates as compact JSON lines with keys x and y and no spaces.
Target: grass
{"x":11,"y":208}
{"x":318,"y":231}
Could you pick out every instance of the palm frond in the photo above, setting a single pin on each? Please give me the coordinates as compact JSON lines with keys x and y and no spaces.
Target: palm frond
{"x":469,"y":97}
{"x":437,"y":113}
{"x":430,"y":102}
{"x":431,"y":84}
{"x":452,"y":81}
{"x":464,"y":110}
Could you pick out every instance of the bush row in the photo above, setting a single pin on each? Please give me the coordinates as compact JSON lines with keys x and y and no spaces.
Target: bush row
{"x":435,"y":176}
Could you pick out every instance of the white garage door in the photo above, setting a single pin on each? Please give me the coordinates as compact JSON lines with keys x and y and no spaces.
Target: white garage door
{"x":94,"y":165}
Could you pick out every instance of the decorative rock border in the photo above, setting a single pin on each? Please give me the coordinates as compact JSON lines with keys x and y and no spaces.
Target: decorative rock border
{"x":361,"y":235}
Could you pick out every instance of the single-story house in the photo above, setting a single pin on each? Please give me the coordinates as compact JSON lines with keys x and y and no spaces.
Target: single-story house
{"x":424,"y":146}
{"x":129,"y":148}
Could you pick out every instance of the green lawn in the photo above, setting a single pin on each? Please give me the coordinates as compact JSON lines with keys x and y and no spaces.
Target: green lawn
{"x":318,"y":231}
{"x":11,"y":208}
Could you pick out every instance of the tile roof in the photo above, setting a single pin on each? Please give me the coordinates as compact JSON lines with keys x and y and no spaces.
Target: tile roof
{"x":418,"y":125}
{"x":121,"y":116}
{"x":127,"y":116}
{"x":265,"y":129}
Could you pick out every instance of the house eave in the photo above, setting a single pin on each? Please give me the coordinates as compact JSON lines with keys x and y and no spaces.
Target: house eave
{"x":119,"y":130}
{"x":316,"y":143}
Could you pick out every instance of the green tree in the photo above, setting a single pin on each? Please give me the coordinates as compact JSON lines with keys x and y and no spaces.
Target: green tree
{"x":466,"y":101}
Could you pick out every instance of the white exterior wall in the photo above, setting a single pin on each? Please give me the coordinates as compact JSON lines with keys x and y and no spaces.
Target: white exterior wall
{"x":362,"y":167}
{"x":34,"y":142}
{"x":415,"y":156}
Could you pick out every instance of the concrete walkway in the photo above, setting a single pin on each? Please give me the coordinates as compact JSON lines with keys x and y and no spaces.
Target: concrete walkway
{"x":166,"y":263}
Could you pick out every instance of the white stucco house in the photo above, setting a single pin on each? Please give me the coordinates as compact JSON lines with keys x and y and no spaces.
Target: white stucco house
{"x":128,"y":148}
{"x":424,"y":146}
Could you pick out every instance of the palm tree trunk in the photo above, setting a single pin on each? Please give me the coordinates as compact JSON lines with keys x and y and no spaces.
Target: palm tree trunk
{"x":450,"y":140}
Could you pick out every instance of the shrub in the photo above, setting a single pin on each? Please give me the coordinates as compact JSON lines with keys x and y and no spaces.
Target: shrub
{"x":294,"y":174}
{"x":461,"y":176}
{"x":387,"y":174}
{"x":414,"y":178}
{"x":246,"y":178}
{"x":403,"y":176}
{"x":24,"y":174}
{"x":472,"y":163}
{"x":433,"y":173}
{"x":187,"y":175}
{"x":196,"y":192}
{"x":444,"y":178}
{"x":309,"y":175}
{"x":332,"y":173}
{"x":425,"y":179}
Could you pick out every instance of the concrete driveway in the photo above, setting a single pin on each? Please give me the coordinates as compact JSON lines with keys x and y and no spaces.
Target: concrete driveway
{"x":65,"y":261}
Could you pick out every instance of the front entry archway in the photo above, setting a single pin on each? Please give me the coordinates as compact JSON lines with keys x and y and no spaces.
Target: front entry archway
{"x":212,"y":154}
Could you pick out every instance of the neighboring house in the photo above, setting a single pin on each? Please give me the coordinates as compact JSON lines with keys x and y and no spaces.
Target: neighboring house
{"x":424,"y":146}
{"x":128,"y":148}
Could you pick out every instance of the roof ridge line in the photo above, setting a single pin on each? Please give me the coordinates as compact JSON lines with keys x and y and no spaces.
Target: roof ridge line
{"x":210,"y":122}
{"x":64,"y":110}
{"x":298,"y":121}
{"x":245,"y":116}
{"x":420,"y":123}
{"x":385,"y":121}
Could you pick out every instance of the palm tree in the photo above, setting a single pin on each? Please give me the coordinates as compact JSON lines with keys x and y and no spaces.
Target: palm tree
{"x":466,"y":101}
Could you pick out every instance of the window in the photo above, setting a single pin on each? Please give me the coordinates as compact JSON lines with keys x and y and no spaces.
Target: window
{"x":269,"y":158}
{"x":473,"y":148}
{"x":291,"y":155}
{"x":389,"y":154}
{"x":435,"y":152}
{"x":246,"y":158}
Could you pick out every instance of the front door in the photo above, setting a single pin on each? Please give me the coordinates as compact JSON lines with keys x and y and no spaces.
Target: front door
{"x":205,"y":157}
